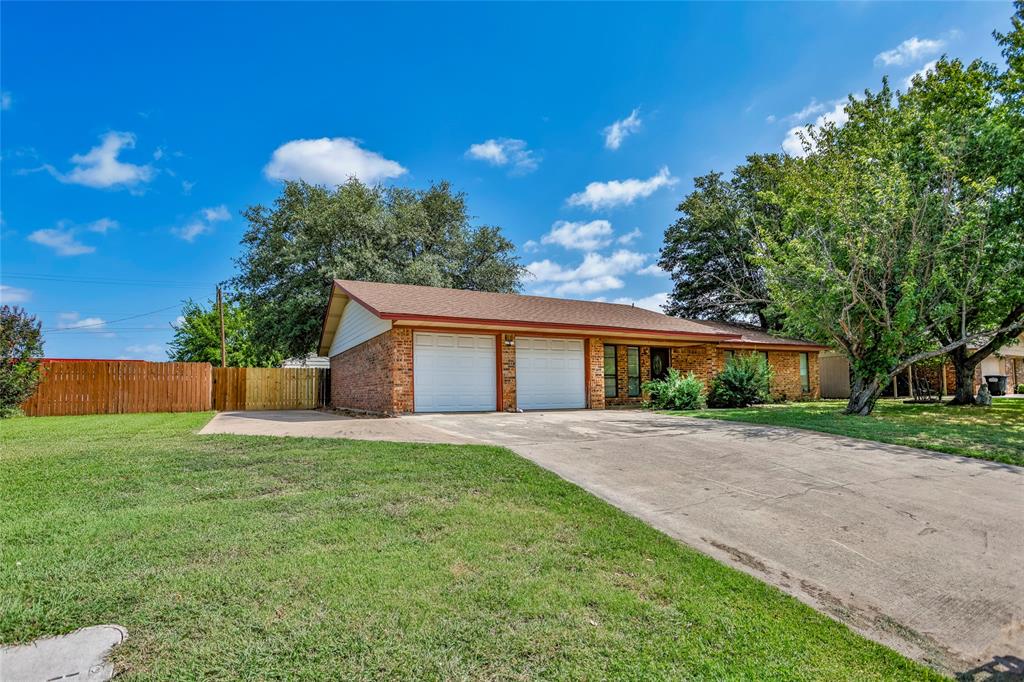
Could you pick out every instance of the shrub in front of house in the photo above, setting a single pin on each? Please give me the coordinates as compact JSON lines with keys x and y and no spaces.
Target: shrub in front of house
{"x":1020,"y":388}
{"x":675,"y":392}
{"x":745,"y":381}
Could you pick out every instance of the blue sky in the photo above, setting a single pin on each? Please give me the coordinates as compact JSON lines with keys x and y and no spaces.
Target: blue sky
{"x":133,"y":135}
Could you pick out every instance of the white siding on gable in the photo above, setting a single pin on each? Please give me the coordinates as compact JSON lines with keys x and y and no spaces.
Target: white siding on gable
{"x":357,"y":325}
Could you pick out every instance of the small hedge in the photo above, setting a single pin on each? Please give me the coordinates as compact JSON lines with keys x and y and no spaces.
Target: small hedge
{"x":745,"y":381}
{"x":1020,"y":388}
{"x":676,"y":392}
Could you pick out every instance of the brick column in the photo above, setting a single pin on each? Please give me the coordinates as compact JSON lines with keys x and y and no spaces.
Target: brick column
{"x":508,"y":371}
{"x":401,"y":369}
{"x":594,"y":348}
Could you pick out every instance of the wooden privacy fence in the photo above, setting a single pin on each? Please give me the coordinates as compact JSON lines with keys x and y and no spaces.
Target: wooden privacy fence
{"x":275,"y":388}
{"x":119,"y":386}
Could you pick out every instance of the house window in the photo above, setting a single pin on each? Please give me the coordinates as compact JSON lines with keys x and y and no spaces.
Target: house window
{"x":729,"y":355}
{"x":633,"y":371}
{"x":611,"y":387}
{"x":805,"y":373}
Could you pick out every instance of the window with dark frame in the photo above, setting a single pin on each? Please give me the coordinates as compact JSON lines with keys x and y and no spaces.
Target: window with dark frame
{"x":611,"y":387}
{"x":633,"y":371}
{"x":805,"y":373}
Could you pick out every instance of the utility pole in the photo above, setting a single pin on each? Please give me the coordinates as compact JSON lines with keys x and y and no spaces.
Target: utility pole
{"x":223,"y":350}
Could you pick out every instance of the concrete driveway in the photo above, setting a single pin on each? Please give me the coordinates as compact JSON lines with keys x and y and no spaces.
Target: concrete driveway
{"x":920,"y":551}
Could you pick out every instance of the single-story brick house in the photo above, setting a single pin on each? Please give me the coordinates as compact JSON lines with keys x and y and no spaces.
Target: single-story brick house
{"x":398,"y":348}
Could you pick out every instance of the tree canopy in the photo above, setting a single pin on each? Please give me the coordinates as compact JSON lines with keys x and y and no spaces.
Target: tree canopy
{"x":197,"y":337}
{"x":312,"y":234}
{"x":709,"y":251}
{"x":21,"y":348}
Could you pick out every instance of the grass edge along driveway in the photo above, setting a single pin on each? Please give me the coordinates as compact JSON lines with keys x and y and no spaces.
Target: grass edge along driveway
{"x":240,"y":557}
{"x":992,"y":433}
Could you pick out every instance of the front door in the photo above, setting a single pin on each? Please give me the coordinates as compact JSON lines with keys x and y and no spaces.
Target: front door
{"x":659,"y":363}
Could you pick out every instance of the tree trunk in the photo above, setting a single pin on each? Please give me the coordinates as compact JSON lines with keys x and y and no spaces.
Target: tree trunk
{"x":863,"y":395}
{"x":963,"y":367}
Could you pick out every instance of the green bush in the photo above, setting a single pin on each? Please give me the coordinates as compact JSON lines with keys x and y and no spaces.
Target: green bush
{"x":746,"y":380}
{"x":676,"y":392}
{"x":1020,"y":388}
{"x":21,"y":346}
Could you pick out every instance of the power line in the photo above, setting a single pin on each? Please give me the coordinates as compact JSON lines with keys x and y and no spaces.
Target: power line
{"x":104,"y":323}
{"x":186,"y":284}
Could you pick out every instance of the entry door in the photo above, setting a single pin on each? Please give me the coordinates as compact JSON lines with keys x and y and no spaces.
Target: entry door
{"x":454,"y":373}
{"x":549,"y":374}
{"x":660,"y":363}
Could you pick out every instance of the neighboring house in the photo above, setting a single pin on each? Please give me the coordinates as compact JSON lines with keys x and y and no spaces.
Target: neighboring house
{"x":1008,"y":360}
{"x":397,"y":348}
{"x":941,"y":378}
{"x":310,"y":361}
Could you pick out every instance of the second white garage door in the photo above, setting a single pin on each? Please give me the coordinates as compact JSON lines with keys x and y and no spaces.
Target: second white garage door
{"x":549,"y":374}
{"x":454,"y":373}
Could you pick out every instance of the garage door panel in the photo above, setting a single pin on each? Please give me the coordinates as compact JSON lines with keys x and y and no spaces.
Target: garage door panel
{"x":454,"y":373}
{"x":550,"y":373}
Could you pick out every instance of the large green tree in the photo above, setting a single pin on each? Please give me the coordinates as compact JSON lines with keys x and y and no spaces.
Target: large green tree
{"x":709,"y":250}
{"x":312,"y":234}
{"x":21,"y":349}
{"x":889,"y":228}
{"x":197,"y":337}
{"x":967,"y":145}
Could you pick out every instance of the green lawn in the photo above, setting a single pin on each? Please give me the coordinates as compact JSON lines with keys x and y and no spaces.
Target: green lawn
{"x":995,"y":433}
{"x":241,"y":558}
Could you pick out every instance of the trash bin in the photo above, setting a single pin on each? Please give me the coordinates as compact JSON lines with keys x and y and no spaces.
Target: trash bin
{"x":996,"y":383}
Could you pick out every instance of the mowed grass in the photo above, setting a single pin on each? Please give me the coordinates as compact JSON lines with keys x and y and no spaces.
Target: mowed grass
{"x":994,"y":433}
{"x":244,"y":558}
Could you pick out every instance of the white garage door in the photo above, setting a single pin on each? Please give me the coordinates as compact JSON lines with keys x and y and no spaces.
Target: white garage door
{"x":453,"y":373}
{"x":549,"y":373}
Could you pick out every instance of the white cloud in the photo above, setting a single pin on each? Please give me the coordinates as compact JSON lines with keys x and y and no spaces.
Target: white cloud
{"x":62,"y":240}
{"x":505,"y":151}
{"x":909,"y":51}
{"x":186,"y":187}
{"x":102,"y":226}
{"x":813,"y":107}
{"x":329,"y":161}
{"x":595,"y":273}
{"x":10,"y":295}
{"x":621,"y":192}
{"x":630,"y":236}
{"x":5,"y":100}
{"x":100,"y":167}
{"x":770,"y":118}
{"x":158,"y":154}
{"x":530,"y":245}
{"x":653,"y":302}
{"x":793,"y":143}
{"x":920,"y":73}
{"x":148,"y":351}
{"x":202,"y":224}
{"x":653,"y":270}
{"x":216,"y":213}
{"x":591,"y":236}
{"x":94,"y":325}
{"x":621,"y":129}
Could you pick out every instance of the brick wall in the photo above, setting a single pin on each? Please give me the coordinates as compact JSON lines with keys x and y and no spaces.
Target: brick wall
{"x":704,"y":360}
{"x":622,"y":375}
{"x":376,"y":375}
{"x":786,"y":381}
{"x":508,"y":372}
{"x":707,"y":360}
{"x":594,"y":348}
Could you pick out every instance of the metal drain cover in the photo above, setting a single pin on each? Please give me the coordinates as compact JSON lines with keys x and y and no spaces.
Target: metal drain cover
{"x":79,"y":656}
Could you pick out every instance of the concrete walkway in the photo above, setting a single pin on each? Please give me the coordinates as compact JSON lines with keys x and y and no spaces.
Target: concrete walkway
{"x":921,"y":551}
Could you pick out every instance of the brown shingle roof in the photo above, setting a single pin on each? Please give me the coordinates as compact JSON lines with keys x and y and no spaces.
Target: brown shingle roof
{"x":406,"y":301}
{"x":752,"y":335}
